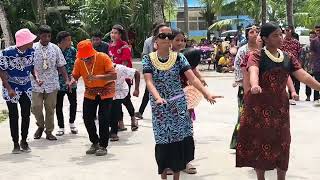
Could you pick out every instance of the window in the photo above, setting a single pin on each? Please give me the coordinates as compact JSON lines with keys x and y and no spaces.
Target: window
{"x":193,"y":18}
{"x":180,"y":25}
{"x":180,"y":16}
{"x":203,"y":26}
{"x":193,"y":26}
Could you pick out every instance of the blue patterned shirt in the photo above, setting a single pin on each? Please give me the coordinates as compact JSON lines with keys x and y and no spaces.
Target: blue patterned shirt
{"x":18,"y":67}
{"x":70,"y":56}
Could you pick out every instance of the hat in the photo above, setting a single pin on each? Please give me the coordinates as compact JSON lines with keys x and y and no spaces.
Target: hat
{"x":23,"y":37}
{"x":85,"y":49}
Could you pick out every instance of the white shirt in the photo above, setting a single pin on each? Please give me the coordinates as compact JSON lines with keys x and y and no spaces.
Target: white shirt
{"x":123,"y":73}
{"x":52,"y":56}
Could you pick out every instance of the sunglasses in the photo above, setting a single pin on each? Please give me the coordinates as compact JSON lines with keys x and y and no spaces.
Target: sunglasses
{"x":165,"y":36}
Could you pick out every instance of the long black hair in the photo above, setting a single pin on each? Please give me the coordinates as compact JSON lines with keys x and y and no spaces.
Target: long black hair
{"x":193,"y":56}
{"x":122,"y":31}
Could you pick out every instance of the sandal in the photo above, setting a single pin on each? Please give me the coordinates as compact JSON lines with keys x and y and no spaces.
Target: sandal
{"x":114,"y":137}
{"x":134,"y":125}
{"x":190,"y":169}
{"x":60,"y":132}
{"x":169,"y":172}
{"x":121,"y":126}
{"x":74,"y":130}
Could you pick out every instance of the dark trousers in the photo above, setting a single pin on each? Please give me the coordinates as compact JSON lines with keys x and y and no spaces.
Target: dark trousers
{"x":144,"y":102}
{"x":128,"y":103}
{"x":72,"y":97}
{"x":296,"y":84}
{"x":25,"y":105}
{"x":116,"y":115}
{"x":317,"y":77}
{"x":89,"y":113}
{"x":308,"y":90}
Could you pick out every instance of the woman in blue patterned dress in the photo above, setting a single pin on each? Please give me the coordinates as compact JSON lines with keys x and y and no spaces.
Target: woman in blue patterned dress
{"x":171,"y":121}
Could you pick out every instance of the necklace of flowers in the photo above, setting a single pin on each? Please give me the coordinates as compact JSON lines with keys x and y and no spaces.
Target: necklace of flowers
{"x":163,"y":66}
{"x":272,"y":57}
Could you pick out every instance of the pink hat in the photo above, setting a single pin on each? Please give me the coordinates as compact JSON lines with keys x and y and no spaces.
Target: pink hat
{"x":24,"y":36}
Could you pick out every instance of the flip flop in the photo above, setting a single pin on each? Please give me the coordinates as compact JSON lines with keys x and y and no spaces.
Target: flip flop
{"x":114,"y":138}
{"x":190,"y":169}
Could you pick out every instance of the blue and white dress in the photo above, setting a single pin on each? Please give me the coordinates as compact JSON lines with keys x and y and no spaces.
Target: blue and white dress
{"x":172,"y":125}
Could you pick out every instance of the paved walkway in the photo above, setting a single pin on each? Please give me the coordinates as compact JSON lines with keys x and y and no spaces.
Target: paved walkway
{"x":132,"y":158}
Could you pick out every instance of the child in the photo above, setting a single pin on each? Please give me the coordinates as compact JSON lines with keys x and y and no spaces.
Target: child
{"x":225,"y":64}
{"x":122,"y":90}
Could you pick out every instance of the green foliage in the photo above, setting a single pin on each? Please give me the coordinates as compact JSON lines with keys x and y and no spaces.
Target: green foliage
{"x":3,"y":115}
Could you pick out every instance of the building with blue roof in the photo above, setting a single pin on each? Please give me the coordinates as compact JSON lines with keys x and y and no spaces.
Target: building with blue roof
{"x":198,"y":26}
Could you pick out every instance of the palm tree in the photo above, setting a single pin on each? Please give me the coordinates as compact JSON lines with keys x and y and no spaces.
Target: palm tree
{"x":7,"y":35}
{"x":263,"y":11}
{"x":290,"y":12}
{"x":41,"y":12}
{"x":186,"y":16}
{"x":158,"y":14}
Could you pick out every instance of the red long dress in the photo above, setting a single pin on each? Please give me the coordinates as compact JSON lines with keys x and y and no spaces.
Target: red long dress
{"x":264,"y":135}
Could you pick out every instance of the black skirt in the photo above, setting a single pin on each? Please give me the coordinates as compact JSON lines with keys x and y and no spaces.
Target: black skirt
{"x":175,"y":156}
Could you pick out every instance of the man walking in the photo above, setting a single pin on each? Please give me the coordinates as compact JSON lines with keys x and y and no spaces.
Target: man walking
{"x":315,"y":56}
{"x":48,"y":60}
{"x":69,"y":53}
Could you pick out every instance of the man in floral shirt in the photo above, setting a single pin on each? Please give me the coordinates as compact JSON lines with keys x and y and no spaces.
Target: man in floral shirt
{"x":48,"y":63}
{"x":69,"y":53}
{"x":292,"y":46}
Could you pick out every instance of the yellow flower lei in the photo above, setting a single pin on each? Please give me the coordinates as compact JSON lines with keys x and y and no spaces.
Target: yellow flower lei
{"x":163,"y":66}
{"x":274,"y":59}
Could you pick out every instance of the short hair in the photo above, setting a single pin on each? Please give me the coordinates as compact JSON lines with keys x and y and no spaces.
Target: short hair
{"x":317,"y":26}
{"x":45,"y":29}
{"x":157,"y":28}
{"x":62,"y":35}
{"x":97,"y":34}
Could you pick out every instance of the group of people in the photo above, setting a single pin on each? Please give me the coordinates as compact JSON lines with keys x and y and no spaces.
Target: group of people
{"x":42,"y":73}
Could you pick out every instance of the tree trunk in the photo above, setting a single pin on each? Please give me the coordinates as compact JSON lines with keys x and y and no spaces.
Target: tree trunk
{"x":290,"y":12}
{"x":4,"y":23}
{"x":158,"y":16}
{"x":41,"y":13}
{"x":186,"y":16}
{"x":264,"y":11}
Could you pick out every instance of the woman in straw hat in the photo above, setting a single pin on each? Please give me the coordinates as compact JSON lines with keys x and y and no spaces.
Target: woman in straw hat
{"x":16,"y":65}
{"x":171,"y":121}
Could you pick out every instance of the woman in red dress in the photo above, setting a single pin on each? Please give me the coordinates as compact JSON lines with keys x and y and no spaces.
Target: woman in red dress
{"x":264,"y":135}
{"x":120,"y":52}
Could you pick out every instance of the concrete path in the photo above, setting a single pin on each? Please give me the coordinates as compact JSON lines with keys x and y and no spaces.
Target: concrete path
{"x":132,"y":158}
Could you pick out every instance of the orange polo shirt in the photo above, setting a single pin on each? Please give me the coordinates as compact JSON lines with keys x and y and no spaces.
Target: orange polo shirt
{"x":101,"y":65}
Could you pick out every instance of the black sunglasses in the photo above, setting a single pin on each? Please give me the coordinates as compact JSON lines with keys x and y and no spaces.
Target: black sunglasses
{"x":164,"y":36}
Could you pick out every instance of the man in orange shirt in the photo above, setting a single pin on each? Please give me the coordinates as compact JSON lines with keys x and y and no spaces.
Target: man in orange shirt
{"x":98,"y":75}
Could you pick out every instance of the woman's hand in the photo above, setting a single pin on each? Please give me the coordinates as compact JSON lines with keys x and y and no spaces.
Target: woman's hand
{"x":161,"y":101}
{"x":212,"y":98}
{"x":295,"y":96}
{"x":256,"y":89}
